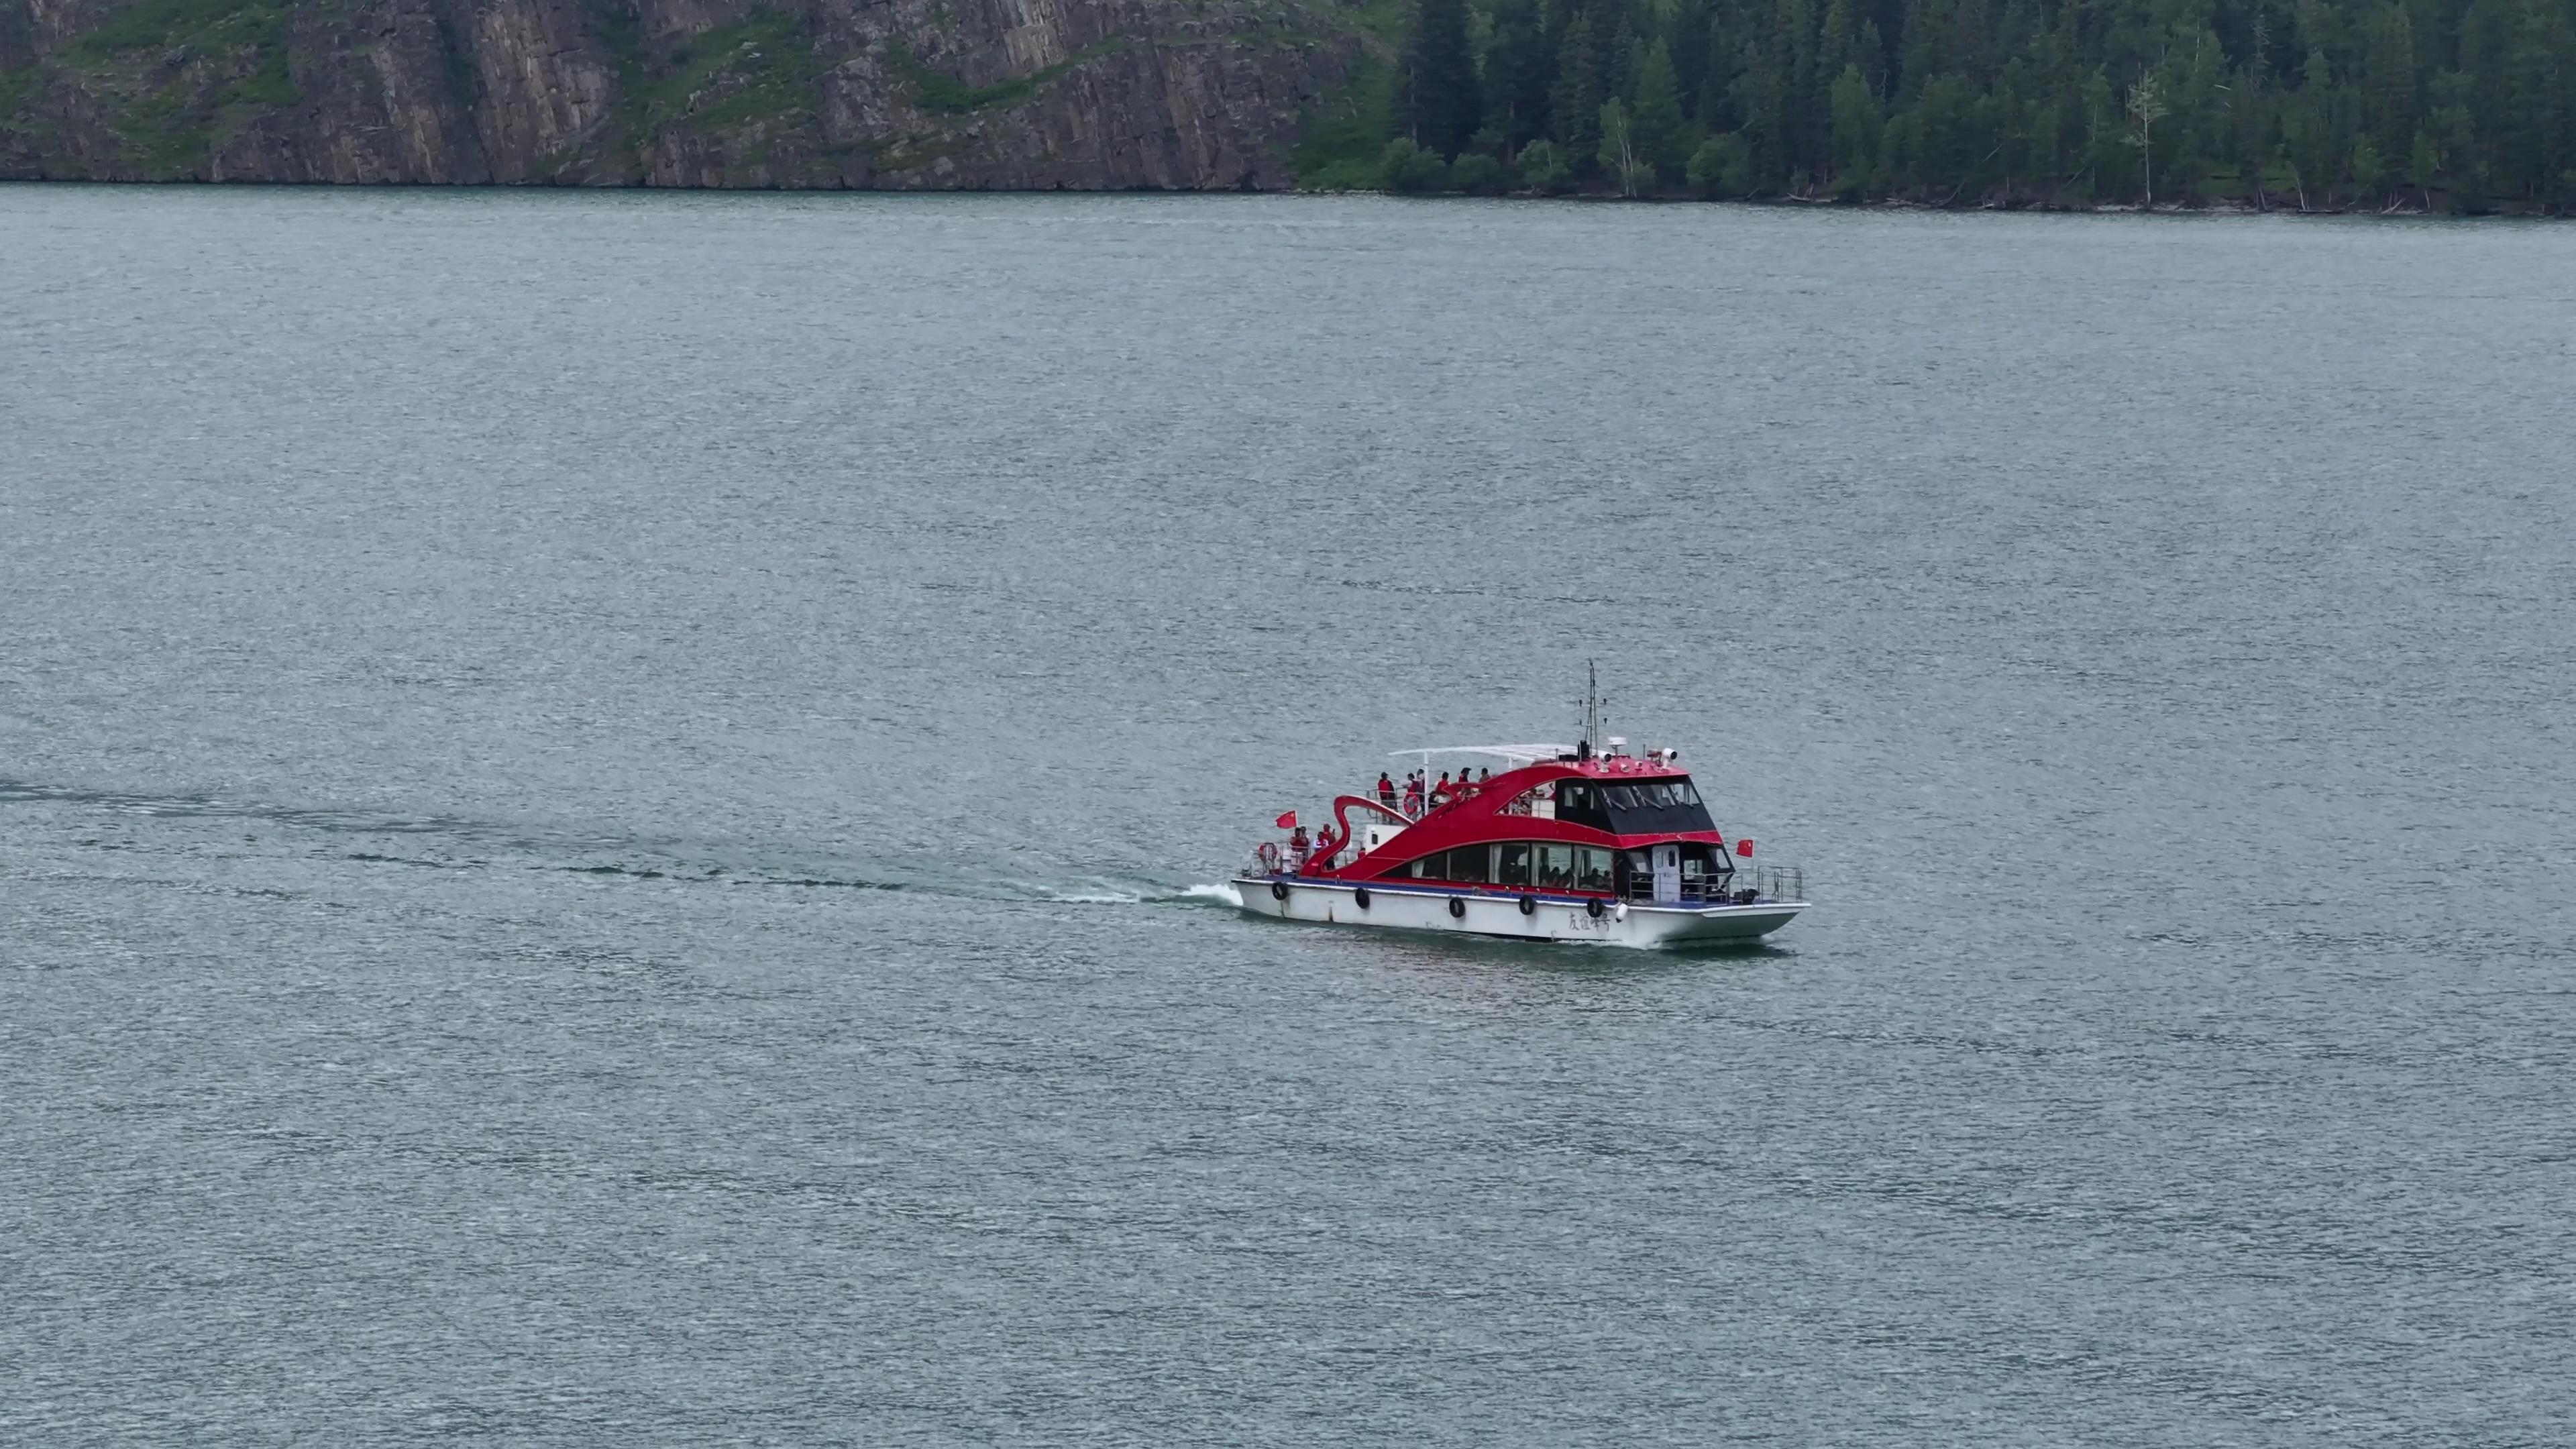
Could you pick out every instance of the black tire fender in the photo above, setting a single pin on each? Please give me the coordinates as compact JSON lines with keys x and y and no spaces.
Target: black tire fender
{"x":1529,"y":905}
{"x":1359,"y":897}
{"x":1458,"y":907}
{"x":1279,"y":890}
{"x":1593,"y":908}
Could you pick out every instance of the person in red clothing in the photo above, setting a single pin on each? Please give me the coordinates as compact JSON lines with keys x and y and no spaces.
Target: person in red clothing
{"x":1385,"y":790}
{"x":1413,"y":794}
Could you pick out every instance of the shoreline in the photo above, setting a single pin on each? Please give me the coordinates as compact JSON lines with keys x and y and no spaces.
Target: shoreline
{"x":2219,"y":207}
{"x":2216,"y":207}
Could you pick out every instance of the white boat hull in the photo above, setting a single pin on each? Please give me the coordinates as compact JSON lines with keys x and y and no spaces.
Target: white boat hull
{"x":1459,"y":911}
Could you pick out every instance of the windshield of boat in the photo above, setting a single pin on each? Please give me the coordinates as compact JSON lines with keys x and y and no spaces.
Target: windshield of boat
{"x":1633,"y":807}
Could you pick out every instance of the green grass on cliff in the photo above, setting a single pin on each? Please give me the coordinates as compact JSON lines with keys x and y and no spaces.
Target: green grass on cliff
{"x":165,"y":133}
{"x":269,"y":85}
{"x":760,"y":69}
{"x":17,"y":87}
{"x":1382,"y":20}
{"x":1346,"y":138}
{"x":943,"y":94}
{"x":182,"y":74}
{"x":1343,"y":140}
{"x":199,"y":24}
{"x":251,"y":37}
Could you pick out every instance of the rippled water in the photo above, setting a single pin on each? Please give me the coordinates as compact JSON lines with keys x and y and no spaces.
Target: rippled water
{"x":600,"y":799}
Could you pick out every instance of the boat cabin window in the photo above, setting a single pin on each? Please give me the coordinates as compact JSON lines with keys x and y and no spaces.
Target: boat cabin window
{"x":1591,"y":868}
{"x":1556,"y":867}
{"x":1645,"y":807}
{"x":1544,"y":864}
{"x":1472,"y":863}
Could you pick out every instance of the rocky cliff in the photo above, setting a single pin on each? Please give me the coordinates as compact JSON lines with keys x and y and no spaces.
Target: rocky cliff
{"x":1020,"y":94}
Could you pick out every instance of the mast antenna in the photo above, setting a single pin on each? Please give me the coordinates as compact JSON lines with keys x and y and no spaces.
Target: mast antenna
{"x":1590,"y":725}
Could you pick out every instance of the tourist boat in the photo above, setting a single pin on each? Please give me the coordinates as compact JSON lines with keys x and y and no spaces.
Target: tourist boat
{"x":1564,"y":843}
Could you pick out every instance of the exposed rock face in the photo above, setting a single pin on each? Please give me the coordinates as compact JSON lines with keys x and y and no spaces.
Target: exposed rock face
{"x":1074,"y":94}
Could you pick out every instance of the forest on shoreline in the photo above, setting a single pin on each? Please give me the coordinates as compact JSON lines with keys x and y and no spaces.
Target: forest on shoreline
{"x":2465,"y":106}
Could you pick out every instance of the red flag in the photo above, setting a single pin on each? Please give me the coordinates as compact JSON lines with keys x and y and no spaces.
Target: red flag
{"x":1287,"y":821}
{"x":1744,"y":848}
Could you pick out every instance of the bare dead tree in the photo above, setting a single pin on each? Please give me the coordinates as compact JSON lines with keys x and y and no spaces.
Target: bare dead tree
{"x":2146,"y":107}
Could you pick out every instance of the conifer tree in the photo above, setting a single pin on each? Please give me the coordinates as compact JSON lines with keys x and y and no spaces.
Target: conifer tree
{"x":2195,"y":89}
{"x":1658,"y":120}
{"x":1436,"y":101}
{"x":1839,"y":43}
{"x":2389,"y":80}
{"x":2533,"y":146}
{"x":2307,"y":131}
{"x":1802,"y":98}
{"x":1574,"y":102}
{"x":1722,"y":75}
{"x":1763,"y":98}
{"x":1856,"y":130}
{"x":1619,"y":57}
{"x":1688,"y":34}
{"x":2367,"y":169}
{"x":2423,"y":165}
{"x":1517,"y":69}
{"x":1920,"y":37}
{"x":2335,"y":99}
{"x":2455,"y":138}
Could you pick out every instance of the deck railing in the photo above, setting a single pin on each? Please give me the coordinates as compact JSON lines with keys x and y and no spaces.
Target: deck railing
{"x":1781,"y":882}
{"x":1743,"y":887}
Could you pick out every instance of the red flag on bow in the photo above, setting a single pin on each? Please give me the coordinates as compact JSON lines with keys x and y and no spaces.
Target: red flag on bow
{"x":1287,"y":821}
{"x":1744,"y":848}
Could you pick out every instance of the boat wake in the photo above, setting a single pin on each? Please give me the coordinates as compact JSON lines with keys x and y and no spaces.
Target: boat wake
{"x":1188,"y":895}
{"x":180,"y":825}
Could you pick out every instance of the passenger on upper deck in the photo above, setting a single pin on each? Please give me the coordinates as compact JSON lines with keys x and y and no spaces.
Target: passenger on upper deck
{"x":1299,"y":847}
{"x":1385,"y":790}
{"x":1413,"y":794}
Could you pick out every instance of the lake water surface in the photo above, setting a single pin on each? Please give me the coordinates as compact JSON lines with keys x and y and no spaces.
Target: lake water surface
{"x":605,"y":803}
